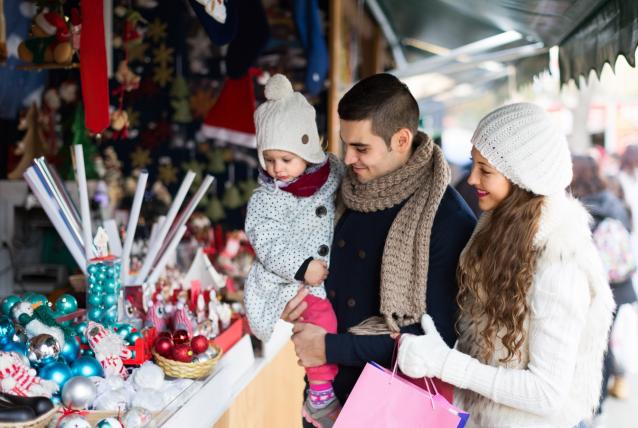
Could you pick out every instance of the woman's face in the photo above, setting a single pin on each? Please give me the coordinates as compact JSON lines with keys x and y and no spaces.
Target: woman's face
{"x":491,"y":186}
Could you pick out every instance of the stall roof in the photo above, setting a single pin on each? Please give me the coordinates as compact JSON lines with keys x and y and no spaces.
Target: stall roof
{"x":452,"y":36}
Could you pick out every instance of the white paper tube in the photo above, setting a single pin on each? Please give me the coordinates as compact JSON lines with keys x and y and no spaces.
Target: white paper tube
{"x":153,"y":250}
{"x":159,"y":268}
{"x":132,"y":225}
{"x":155,"y":229}
{"x":55,"y":216}
{"x":115,"y":244}
{"x":85,"y":211}
{"x":188,"y":210}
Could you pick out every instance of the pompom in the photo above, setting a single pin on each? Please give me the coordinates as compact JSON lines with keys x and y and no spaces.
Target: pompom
{"x":148,"y":375}
{"x":278,"y":87}
{"x":115,"y":400}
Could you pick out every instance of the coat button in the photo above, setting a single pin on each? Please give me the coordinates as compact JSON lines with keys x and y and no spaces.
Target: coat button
{"x":351,"y":303}
{"x":321,"y":211}
{"x":341,"y":243}
{"x":361,"y":254}
{"x":332,"y":294}
{"x":323,"y":250}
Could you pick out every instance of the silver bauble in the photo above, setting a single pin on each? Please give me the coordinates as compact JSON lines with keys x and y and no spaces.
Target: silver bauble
{"x":78,"y":393}
{"x":43,"y":349}
{"x":200,"y":358}
{"x":20,"y":335}
{"x":137,"y":417}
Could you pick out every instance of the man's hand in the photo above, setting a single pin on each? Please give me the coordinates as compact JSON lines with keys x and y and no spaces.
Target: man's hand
{"x":310,"y":345}
{"x":295,"y":306}
{"x":316,"y":273}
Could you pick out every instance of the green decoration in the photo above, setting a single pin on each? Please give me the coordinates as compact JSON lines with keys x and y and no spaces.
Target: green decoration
{"x":232,"y":198}
{"x":180,"y":101}
{"x":215,"y":210}
{"x":216,"y":163}
{"x":81,"y":137}
{"x":247,"y":188}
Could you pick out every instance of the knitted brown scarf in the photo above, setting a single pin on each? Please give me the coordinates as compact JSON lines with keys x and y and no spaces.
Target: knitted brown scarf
{"x":404,"y":267}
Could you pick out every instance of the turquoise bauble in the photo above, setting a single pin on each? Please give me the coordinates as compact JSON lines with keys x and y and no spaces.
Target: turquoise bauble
{"x":6,"y":330}
{"x":87,"y":366}
{"x":71,"y":350}
{"x":94,"y":299}
{"x":109,"y":423}
{"x":18,"y":347}
{"x":58,"y":372}
{"x":56,"y":400}
{"x":65,"y":304}
{"x":123,"y":329}
{"x":7,"y":304}
{"x":38,"y":298}
{"x":109,"y":300}
{"x":95,"y":313}
{"x":111,"y":286}
{"x":88,"y":352}
{"x":93,"y":269}
{"x":132,"y":338}
{"x":80,"y":328}
{"x":109,"y":317}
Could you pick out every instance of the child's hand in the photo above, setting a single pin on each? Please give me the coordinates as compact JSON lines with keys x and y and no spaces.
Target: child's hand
{"x":316,"y":273}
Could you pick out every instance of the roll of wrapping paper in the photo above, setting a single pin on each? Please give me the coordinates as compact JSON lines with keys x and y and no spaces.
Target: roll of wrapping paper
{"x":93,"y":72}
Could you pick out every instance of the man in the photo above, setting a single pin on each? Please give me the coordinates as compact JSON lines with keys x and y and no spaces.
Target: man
{"x":396,"y":245}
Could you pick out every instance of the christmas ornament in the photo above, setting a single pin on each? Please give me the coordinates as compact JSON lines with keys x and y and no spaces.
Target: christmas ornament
{"x":215,"y":210}
{"x":162,"y":74}
{"x":199,"y":344}
{"x":136,"y":417}
{"x":7,"y":304}
{"x":18,"y":347}
{"x":163,"y":55}
{"x":104,"y":284}
{"x":78,"y":393}
{"x":20,"y":335}
{"x":182,"y":321}
{"x":156,"y":317}
{"x":201,"y":102}
{"x":123,"y":330}
{"x":72,"y":421}
{"x":232,"y":198}
{"x":65,"y":304}
{"x":37,"y":299}
{"x":43,"y":349}
{"x":50,"y":40}
{"x":17,"y":378}
{"x":109,"y":349}
{"x":88,"y":352}
{"x":57,"y":372}
{"x":216,"y":163}
{"x":87,"y":366}
{"x":7,"y":330}
{"x":156,"y":30}
{"x":167,"y":334}
{"x":180,"y":337}
{"x":133,"y":337}
{"x":71,"y":350}
{"x":148,"y":375}
{"x":140,"y":158}
{"x":108,"y":423}
{"x":32,"y":145}
{"x":164,"y":346}
{"x":182,"y":352}
{"x":167,"y":174}
{"x":200,"y":358}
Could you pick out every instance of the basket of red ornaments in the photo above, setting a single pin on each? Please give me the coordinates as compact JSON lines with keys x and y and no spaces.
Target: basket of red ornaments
{"x":181,"y":356}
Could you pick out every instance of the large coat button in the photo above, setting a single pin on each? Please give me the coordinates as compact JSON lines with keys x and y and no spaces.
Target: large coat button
{"x":321,"y":211}
{"x":332,"y":294}
{"x":323,"y":250}
{"x":341,"y":243}
{"x":351,"y":303}
{"x":361,"y":254}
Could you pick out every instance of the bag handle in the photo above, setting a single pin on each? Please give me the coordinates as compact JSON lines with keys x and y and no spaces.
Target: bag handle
{"x":395,"y":367}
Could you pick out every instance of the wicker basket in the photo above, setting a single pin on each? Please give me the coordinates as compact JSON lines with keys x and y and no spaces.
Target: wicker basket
{"x":41,"y":422}
{"x":187,"y":370}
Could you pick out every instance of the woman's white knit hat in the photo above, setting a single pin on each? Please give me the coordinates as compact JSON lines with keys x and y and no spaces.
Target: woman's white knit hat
{"x":286,"y":121}
{"x":525,"y":145}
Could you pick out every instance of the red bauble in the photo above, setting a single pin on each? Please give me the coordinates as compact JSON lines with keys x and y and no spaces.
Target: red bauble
{"x":165,"y":334}
{"x":183,"y":352}
{"x":164,"y":346}
{"x":199,"y":344}
{"x":180,"y":336}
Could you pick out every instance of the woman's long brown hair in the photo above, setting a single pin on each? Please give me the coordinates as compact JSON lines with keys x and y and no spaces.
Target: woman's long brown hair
{"x":497,"y":270}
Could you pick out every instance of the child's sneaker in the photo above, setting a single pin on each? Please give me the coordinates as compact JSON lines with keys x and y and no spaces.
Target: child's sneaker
{"x":324,"y":417}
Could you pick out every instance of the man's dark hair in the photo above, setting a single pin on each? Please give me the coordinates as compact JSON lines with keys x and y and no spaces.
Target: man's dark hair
{"x":385,"y":101}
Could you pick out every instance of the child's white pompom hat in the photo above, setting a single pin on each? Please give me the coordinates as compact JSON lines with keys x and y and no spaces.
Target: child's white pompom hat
{"x":286,"y":121}
{"x":525,"y":145}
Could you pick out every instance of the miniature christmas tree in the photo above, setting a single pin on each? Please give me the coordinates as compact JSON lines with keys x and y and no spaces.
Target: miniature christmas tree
{"x":32,"y":145}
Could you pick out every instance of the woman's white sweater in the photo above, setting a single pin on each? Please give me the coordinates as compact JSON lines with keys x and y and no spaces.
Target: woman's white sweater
{"x":556,"y":380}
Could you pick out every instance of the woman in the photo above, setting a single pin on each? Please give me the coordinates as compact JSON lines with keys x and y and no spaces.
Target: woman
{"x":535,"y":302}
{"x":588,"y":186}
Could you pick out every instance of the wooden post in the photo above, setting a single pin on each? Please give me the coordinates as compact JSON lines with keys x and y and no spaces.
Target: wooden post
{"x":336,"y":23}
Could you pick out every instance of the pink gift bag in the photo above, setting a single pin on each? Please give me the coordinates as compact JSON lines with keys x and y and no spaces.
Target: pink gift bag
{"x":382,"y":399}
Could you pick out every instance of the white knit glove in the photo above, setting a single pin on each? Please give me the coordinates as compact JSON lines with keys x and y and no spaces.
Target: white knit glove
{"x":423,"y":356}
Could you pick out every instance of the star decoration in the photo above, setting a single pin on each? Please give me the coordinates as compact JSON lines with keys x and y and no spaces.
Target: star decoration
{"x":140,"y":158}
{"x":136,"y":52}
{"x":133,"y":117}
{"x":163,"y":54}
{"x":156,"y":30}
{"x":199,"y":45}
{"x":196,"y":167}
{"x":201,"y":102}
{"x":167,"y":174}
{"x":162,"y":75}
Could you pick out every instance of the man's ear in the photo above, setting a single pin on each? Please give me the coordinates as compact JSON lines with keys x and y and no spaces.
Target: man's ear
{"x":402,"y":140}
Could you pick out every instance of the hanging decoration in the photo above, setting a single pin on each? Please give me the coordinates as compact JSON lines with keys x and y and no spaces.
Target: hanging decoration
{"x":49,"y":42}
{"x":32,"y":145}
